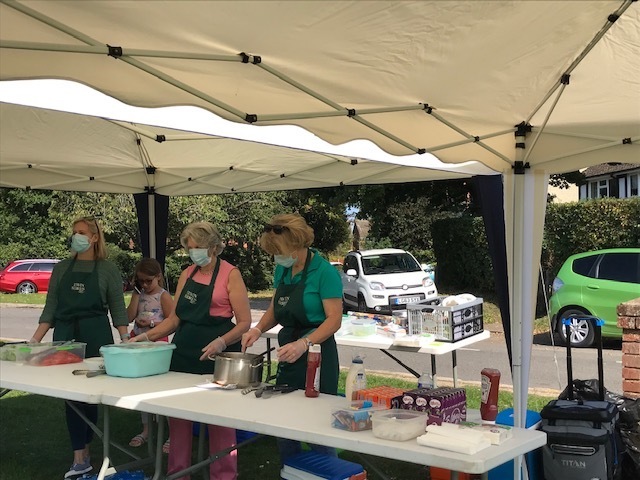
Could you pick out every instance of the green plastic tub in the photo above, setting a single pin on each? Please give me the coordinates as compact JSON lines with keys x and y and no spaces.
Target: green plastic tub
{"x":140,"y":359}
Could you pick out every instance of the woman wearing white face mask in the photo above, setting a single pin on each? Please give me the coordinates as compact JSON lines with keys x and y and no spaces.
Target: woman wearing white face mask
{"x":209,"y":294}
{"x":82,"y":290}
{"x":307,"y":303}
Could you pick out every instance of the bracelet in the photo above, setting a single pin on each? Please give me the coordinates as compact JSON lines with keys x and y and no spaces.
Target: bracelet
{"x":125,"y":336}
{"x":256,"y":328}
{"x":223,"y":342}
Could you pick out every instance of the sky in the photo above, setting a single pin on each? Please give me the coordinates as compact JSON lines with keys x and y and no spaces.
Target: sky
{"x":73,"y":97}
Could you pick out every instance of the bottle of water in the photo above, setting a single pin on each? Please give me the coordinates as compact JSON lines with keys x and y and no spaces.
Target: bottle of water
{"x":425,"y":381}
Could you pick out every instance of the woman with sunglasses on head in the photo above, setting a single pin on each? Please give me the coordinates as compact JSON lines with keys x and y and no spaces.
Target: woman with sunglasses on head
{"x":83,"y":290}
{"x":209,"y":294}
{"x":307,"y":303}
{"x":150,"y":305}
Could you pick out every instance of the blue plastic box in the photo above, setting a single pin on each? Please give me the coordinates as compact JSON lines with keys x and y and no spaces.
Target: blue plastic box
{"x":534,"y":458}
{"x":314,"y":465}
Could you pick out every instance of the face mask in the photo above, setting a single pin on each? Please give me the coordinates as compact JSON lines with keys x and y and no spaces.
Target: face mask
{"x":286,"y":261}
{"x":200,"y":256}
{"x":80,"y":243}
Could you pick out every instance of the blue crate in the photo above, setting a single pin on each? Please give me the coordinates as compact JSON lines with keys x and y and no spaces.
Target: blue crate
{"x":319,"y":466}
{"x":534,"y":458}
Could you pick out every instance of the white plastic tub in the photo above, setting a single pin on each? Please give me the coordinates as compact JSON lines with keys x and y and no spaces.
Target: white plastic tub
{"x":399,"y":425}
{"x":139,"y":359}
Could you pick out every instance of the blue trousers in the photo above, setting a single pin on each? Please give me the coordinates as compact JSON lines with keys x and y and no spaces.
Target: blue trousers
{"x":79,"y":432}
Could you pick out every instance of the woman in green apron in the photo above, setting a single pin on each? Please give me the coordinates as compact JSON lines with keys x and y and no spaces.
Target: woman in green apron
{"x":209,"y":294}
{"x":82,"y":291}
{"x":307,"y":303}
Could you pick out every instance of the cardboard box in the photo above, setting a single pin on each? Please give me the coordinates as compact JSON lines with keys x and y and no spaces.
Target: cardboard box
{"x":442,"y":404}
{"x":381,"y":395}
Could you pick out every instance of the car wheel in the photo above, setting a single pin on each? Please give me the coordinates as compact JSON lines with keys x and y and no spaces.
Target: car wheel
{"x":27,"y":287}
{"x":581,"y":333}
{"x":362,"y":304}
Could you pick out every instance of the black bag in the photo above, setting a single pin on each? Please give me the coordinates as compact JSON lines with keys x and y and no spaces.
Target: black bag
{"x":583,"y":441}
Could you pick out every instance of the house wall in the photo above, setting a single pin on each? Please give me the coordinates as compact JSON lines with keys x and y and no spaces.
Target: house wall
{"x":629,"y":321}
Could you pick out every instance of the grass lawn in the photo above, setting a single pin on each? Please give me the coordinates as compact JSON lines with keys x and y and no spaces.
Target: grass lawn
{"x":34,"y":443}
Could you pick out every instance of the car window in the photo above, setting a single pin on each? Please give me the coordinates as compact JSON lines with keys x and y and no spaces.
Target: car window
{"x":22,"y":267}
{"x":583,"y":266}
{"x":390,"y":263}
{"x":350,"y":262}
{"x":42,"y":267}
{"x":621,"y":267}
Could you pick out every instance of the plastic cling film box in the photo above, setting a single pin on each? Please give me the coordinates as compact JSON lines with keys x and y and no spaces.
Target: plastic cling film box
{"x":441,"y":404}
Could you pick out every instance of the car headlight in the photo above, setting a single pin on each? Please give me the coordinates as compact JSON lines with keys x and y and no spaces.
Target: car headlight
{"x":557,"y":285}
{"x":376,"y":286}
{"x":427,"y":282}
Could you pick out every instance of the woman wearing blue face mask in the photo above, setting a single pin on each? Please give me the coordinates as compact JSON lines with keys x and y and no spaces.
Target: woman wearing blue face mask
{"x":307,"y":303}
{"x":83,"y":290}
{"x":209,"y":294}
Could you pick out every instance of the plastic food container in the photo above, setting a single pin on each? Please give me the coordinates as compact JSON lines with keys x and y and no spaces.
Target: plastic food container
{"x":399,"y":425}
{"x":362,"y":327}
{"x":138,"y":359}
{"x":51,"y":353}
{"x":354,"y":416}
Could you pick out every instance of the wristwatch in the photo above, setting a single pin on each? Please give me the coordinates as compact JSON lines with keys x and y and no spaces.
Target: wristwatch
{"x":152,"y":324}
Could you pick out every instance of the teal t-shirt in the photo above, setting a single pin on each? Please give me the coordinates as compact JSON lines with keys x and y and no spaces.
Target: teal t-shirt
{"x":323,"y":281}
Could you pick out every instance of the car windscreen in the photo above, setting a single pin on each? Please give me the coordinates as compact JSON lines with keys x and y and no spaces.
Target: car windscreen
{"x":389,"y":263}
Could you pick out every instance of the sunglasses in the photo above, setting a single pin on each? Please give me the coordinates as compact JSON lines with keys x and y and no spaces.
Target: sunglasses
{"x":277,"y":229}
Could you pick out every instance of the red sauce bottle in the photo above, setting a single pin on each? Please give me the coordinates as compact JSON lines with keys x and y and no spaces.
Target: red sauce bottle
{"x":312,"y":385}
{"x":490,"y":381}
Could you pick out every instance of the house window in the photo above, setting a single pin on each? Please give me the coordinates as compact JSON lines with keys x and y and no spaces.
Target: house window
{"x":632,"y":189}
{"x":599,"y":189}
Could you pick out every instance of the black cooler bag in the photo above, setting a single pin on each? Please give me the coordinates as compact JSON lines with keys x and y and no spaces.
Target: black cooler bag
{"x":582,"y":438}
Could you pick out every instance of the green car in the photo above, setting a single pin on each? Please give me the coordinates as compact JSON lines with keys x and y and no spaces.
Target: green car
{"x":594,"y":283}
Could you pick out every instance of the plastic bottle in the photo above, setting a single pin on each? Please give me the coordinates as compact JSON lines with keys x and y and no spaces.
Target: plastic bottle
{"x":312,"y":384}
{"x":425,"y":381}
{"x":356,"y":378}
{"x":490,"y":382}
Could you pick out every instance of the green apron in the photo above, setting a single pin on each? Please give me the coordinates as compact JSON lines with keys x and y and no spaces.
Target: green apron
{"x":197,"y":327}
{"x":288,"y":308}
{"x":80,"y":314}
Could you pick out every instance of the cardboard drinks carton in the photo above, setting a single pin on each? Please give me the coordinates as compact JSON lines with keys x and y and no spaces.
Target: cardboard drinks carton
{"x":443,"y":404}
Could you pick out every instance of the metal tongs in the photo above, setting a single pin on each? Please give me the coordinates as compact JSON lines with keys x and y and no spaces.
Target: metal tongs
{"x":270,"y":390}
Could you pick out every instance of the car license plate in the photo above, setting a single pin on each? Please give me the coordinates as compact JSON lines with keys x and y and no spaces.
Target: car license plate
{"x":403,"y":300}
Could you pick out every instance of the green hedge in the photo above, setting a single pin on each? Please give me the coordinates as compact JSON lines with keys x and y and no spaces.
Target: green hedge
{"x":462,"y":253}
{"x":460,"y":247}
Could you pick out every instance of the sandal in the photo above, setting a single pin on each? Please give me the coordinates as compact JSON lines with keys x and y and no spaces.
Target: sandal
{"x":166,"y":446}
{"x":138,"y":440}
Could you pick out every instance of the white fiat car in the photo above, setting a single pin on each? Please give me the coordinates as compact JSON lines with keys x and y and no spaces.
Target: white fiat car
{"x":384,"y":280}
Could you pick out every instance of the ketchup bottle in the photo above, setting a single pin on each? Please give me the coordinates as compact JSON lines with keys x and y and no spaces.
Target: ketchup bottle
{"x":312,"y":385}
{"x":490,"y":381}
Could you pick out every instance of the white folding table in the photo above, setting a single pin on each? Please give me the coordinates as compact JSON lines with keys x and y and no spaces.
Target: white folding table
{"x":297,"y":417}
{"x":291,"y":415}
{"x":386,"y":344}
